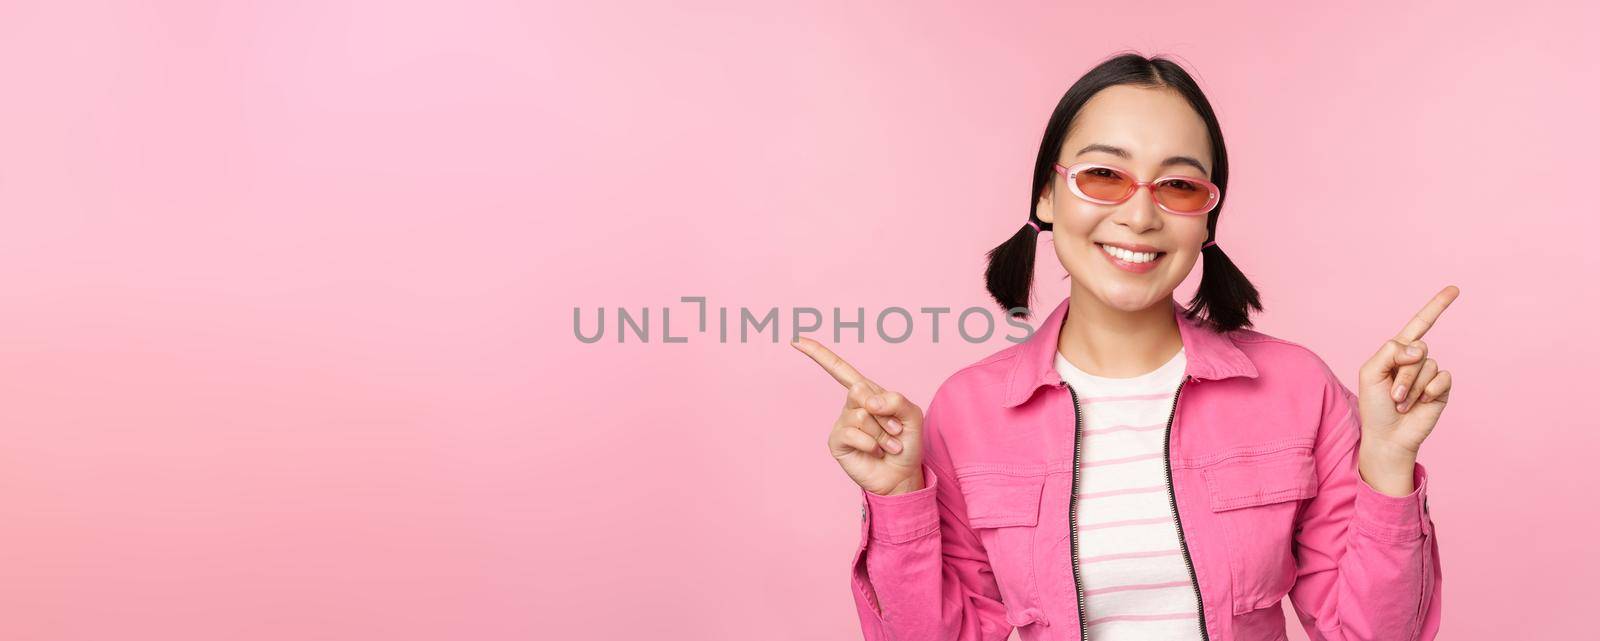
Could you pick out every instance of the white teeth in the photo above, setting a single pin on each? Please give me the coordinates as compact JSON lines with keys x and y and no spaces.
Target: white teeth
{"x":1132,"y":257}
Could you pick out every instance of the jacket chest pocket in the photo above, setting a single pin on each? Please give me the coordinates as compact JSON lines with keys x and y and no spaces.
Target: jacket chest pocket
{"x":1003,"y":510}
{"x":1256,"y":497}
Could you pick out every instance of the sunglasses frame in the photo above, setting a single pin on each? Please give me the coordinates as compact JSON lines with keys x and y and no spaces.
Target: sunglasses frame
{"x":1071,"y":174}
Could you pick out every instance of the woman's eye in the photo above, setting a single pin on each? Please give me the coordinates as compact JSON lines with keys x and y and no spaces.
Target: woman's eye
{"x":1183,"y":185}
{"x":1101,"y":172}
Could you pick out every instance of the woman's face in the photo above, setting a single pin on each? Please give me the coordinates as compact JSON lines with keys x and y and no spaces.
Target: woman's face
{"x":1149,"y":133}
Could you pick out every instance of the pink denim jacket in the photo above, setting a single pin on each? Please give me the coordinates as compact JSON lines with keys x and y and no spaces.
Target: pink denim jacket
{"x":1262,"y":456}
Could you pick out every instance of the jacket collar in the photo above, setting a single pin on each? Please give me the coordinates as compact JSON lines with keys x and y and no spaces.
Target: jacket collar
{"x":1209,"y":355}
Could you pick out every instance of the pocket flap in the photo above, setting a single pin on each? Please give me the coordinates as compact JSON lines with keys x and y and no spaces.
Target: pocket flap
{"x":1246,"y":481}
{"x":997,"y":499}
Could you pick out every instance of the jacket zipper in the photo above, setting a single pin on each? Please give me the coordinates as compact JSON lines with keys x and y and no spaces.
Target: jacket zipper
{"x":1072,"y":508}
{"x":1173,"y":495}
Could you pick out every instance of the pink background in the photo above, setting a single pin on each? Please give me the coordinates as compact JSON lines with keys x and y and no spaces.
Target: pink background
{"x":288,"y":286}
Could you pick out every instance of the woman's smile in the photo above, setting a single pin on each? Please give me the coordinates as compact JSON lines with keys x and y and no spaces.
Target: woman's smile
{"x":1137,"y":262}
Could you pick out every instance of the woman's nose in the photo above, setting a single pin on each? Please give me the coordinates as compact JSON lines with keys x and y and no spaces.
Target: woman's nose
{"x":1140,"y":211}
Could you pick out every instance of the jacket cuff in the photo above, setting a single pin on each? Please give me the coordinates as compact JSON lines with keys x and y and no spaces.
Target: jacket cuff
{"x":902,"y":517}
{"x":1394,"y":518}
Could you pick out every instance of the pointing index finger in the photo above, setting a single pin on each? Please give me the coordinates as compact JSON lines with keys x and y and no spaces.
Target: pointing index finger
{"x":1423,"y":321}
{"x":830,"y":362}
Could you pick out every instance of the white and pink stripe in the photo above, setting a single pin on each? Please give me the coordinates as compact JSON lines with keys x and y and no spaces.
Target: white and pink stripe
{"x":1135,"y":583}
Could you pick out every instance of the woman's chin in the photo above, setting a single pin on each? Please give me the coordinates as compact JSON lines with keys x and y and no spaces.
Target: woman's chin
{"x":1132,"y":297}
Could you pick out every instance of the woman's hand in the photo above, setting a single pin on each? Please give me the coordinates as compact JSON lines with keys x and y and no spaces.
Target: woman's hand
{"x":1403,"y":392}
{"x":878,"y":437}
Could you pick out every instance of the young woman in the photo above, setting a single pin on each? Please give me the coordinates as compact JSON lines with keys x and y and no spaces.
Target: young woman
{"x":1141,"y":469}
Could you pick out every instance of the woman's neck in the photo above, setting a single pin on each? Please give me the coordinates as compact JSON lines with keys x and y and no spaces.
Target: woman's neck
{"x":1106,"y":341}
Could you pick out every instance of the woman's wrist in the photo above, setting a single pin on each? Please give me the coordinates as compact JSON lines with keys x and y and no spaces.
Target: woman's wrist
{"x":1387,"y":468}
{"x":911,"y":484}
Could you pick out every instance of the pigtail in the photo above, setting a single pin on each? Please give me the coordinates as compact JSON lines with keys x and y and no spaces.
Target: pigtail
{"x":1010,"y":273}
{"x":1225,"y":296}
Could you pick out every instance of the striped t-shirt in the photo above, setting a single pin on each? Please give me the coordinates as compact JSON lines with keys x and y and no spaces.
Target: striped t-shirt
{"x":1131,"y":567}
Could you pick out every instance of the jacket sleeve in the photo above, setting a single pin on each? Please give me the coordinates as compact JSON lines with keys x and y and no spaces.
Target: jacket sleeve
{"x":1368,"y":563}
{"x":920,"y":572}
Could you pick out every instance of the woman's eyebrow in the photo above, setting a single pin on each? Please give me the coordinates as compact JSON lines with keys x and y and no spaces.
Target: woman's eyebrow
{"x":1118,"y":151}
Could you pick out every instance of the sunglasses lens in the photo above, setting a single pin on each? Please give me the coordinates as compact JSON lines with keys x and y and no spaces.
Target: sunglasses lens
{"x":1182,"y":195}
{"x":1103,"y":184}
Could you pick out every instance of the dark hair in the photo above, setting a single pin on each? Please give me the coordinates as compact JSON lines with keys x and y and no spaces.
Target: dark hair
{"x":1225,"y":297}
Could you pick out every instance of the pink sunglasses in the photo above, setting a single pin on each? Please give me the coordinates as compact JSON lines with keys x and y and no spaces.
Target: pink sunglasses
{"x":1107,"y":185}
